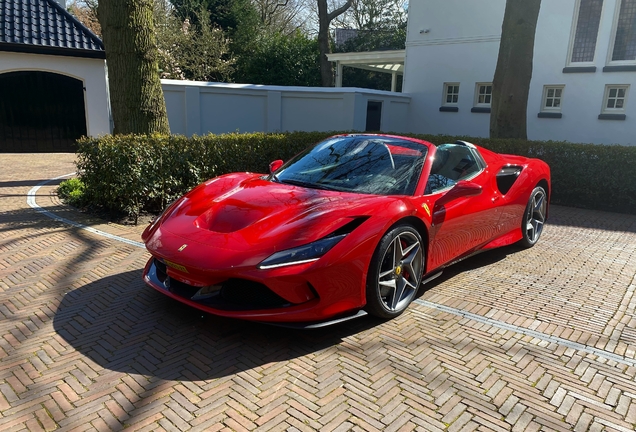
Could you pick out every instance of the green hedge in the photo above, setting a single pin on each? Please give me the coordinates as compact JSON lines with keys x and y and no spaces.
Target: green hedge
{"x":601,"y":177}
{"x":127,"y":174}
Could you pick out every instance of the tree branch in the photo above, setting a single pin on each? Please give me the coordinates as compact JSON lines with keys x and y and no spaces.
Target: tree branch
{"x":342,"y":9}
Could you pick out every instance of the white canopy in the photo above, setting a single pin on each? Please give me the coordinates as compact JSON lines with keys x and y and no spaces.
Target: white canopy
{"x":377,"y":61}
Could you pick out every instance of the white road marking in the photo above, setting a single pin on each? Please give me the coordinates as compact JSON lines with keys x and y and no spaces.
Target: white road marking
{"x":528,"y":332}
{"x":33,"y":204}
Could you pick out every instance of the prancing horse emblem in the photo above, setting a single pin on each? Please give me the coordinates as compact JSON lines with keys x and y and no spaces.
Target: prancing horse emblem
{"x":182,"y":247}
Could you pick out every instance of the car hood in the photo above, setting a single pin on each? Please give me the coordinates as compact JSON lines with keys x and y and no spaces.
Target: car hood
{"x":244,"y":212}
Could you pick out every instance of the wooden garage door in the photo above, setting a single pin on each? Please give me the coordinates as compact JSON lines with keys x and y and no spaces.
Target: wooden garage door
{"x":40,"y":112}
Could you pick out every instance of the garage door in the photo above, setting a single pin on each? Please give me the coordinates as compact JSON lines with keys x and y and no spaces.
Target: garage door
{"x":40,"y":112}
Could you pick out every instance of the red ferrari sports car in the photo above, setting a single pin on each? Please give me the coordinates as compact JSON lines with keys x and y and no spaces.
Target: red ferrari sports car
{"x":353,"y":225}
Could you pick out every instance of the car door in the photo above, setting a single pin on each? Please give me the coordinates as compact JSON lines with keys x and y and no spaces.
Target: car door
{"x":463,"y":203}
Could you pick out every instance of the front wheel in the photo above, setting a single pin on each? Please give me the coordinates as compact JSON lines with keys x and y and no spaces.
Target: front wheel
{"x":395,"y":272}
{"x":534,"y":217}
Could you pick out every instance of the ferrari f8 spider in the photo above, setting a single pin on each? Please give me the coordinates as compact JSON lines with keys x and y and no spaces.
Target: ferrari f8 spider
{"x":352,"y":225}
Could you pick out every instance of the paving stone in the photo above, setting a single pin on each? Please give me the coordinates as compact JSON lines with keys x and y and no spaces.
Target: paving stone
{"x":85,"y":345}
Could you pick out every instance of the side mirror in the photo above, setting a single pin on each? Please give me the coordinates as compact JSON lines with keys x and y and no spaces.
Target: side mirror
{"x":273,"y":166}
{"x":461,"y":189}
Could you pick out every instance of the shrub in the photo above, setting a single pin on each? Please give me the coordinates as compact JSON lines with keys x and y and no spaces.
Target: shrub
{"x":130,"y":173}
{"x":72,"y":191}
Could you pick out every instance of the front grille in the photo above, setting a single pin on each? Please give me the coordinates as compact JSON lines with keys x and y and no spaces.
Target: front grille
{"x":250,"y":294}
{"x":181,"y":289}
{"x":235,"y":294}
{"x":162,"y":271}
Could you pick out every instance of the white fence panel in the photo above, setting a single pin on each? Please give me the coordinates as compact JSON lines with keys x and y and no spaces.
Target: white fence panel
{"x":203,"y":107}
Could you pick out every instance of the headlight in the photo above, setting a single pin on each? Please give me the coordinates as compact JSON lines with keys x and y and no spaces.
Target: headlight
{"x":302,"y":254}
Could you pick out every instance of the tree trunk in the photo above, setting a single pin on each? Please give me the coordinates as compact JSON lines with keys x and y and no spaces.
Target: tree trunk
{"x":511,"y":84}
{"x":136,"y":96}
{"x":326,"y":73}
{"x":324,"y":19}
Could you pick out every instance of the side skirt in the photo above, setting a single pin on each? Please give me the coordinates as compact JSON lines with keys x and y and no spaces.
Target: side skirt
{"x":431,"y":277}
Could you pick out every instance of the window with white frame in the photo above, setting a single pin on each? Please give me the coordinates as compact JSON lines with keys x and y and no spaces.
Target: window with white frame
{"x":615,"y":99}
{"x":552,"y":95}
{"x":624,"y":40}
{"x":483,"y":94}
{"x":588,"y":18}
{"x":451,"y":94}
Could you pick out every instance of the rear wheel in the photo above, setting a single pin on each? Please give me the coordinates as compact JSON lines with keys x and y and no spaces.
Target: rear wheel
{"x":534,"y":217}
{"x":395,"y":272}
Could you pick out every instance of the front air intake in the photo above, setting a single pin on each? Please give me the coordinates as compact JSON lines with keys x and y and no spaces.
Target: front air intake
{"x":250,"y":295}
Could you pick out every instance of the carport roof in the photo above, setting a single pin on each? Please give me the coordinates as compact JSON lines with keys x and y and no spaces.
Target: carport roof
{"x":377,"y":61}
{"x":44,"y":27}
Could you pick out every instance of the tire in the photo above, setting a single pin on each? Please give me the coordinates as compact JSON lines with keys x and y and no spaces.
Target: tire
{"x":395,"y":272}
{"x":534,"y":217}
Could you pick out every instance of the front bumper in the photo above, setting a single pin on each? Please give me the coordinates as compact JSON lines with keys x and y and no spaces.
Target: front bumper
{"x":245,"y":299}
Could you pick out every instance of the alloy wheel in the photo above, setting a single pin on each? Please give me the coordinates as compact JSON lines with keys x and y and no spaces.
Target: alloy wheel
{"x":401,"y":271}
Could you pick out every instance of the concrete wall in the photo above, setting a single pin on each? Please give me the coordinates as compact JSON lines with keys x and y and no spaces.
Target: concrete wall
{"x":201,"y":107}
{"x":446,"y":46}
{"x":90,"y":71}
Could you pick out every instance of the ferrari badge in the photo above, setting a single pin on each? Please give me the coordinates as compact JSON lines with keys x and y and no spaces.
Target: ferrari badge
{"x":428,"y":210}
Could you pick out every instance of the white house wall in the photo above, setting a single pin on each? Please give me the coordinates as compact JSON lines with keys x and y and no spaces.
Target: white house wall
{"x":202,"y":107}
{"x":450,"y":41}
{"x":434,"y":65}
{"x":90,"y":71}
{"x":454,"y":21}
{"x":583,"y":93}
{"x":458,"y":41}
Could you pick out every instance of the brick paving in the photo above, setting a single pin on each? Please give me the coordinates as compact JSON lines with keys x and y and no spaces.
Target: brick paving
{"x":540,"y":339}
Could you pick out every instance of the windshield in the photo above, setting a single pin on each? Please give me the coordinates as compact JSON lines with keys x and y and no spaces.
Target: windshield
{"x":361,"y":164}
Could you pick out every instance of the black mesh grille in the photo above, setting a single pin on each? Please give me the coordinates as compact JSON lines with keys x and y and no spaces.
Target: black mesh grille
{"x":161,"y":268}
{"x":250,"y":294}
{"x":181,"y":289}
{"x":235,"y":294}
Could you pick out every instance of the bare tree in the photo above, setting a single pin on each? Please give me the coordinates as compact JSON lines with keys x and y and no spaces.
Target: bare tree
{"x":86,"y":13}
{"x":324,"y":19}
{"x":373,"y":14}
{"x":511,"y":85}
{"x":283,"y":16}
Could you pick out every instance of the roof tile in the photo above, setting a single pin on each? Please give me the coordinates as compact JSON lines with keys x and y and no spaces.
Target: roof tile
{"x":44,"y":23}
